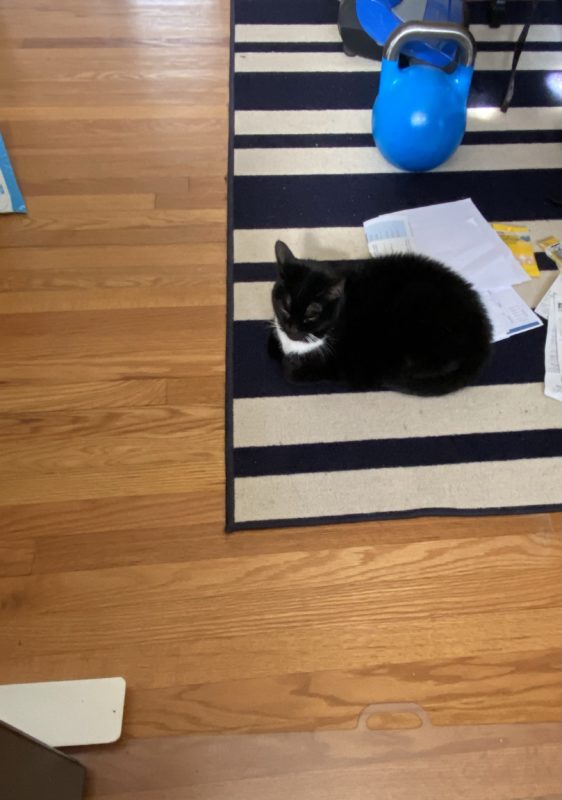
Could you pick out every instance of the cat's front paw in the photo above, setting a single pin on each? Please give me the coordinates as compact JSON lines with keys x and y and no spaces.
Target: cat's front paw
{"x":294,"y":374}
{"x":302,"y":371}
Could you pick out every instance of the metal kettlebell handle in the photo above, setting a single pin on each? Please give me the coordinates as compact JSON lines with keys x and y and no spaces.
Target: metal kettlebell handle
{"x":423,"y":31}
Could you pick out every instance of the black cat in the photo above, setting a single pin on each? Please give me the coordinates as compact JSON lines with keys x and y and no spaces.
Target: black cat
{"x":402,"y":322}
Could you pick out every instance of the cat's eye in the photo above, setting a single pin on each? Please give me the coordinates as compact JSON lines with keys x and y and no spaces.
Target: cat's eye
{"x":284,"y":306}
{"x":313,"y":312}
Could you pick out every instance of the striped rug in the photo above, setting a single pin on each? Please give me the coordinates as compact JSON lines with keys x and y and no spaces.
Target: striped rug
{"x":303,"y":168}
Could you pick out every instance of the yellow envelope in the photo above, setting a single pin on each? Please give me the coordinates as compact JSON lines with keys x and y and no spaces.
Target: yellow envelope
{"x":518,"y":239}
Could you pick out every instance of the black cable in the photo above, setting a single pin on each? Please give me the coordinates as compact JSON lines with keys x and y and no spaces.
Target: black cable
{"x":508,"y":97}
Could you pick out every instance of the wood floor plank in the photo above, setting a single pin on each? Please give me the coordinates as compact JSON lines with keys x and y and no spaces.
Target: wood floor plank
{"x":103,"y":345}
{"x":40,"y":205}
{"x":59,"y":443}
{"x":144,"y":133}
{"x":117,"y":162}
{"x":26,"y":397}
{"x":453,"y":690}
{"x":397,"y":653}
{"x":67,"y":100}
{"x":135,"y":110}
{"x":107,"y":514}
{"x":119,"y":227}
{"x":114,"y":481}
{"x":112,"y":267}
{"x":36,"y":279}
{"x":118,"y":67}
{"x":203,"y":192}
{"x":16,"y":558}
{"x":60,"y":22}
{"x":107,"y":298}
{"x":266,"y":594}
{"x":100,"y":544}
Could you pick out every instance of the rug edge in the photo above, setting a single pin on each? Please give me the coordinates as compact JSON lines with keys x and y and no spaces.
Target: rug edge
{"x":229,"y":393}
{"x":390,"y":516}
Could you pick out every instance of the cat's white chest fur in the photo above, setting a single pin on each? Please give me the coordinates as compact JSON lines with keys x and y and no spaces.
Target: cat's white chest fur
{"x":292,"y":348}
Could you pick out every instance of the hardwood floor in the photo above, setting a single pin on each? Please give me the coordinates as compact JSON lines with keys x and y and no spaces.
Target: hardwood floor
{"x":113,"y":559}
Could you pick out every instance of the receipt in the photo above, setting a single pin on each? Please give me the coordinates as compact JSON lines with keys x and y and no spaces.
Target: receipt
{"x":508,"y":313}
{"x":553,"y":350}
{"x":543,"y":307}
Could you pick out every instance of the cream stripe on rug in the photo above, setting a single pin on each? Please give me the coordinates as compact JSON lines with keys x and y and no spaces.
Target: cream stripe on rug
{"x":350,"y":120}
{"x":267,"y":421}
{"x":330,"y":33}
{"x":258,"y":245}
{"x":339,"y":62}
{"x":505,"y":484}
{"x":369,"y":161}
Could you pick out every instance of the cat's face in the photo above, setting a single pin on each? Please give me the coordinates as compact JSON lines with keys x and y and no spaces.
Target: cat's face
{"x":307,"y":297}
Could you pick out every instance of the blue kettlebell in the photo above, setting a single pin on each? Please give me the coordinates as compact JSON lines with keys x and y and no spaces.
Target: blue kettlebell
{"x":419,"y":115}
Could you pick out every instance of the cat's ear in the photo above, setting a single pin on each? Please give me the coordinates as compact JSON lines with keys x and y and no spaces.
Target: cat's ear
{"x":283,"y":253}
{"x":336,"y":290}
{"x":286,"y":261}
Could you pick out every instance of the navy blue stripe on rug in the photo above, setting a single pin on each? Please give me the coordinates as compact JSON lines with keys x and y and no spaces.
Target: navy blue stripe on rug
{"x":263,"y":271}
{"x":546,"y":13}
{"x":267,"y":271}
{"x":318,"y":12}
{"x":390,"y":453}
{"x":530,"y":47}
{"x":283,"y":91}
{"x":516,"y":360}
{"x":245,"y":142}
{"x":286,"y":12}
{"x":314,"y":201}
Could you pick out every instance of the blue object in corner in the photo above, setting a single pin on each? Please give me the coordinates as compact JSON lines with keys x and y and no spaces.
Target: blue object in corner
{"x":11,"y":199}
{"x":379,"y":18}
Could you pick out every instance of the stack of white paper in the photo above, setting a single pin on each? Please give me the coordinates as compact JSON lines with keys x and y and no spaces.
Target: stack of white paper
{"x":550,"y":307}
{"x":458,"y":235}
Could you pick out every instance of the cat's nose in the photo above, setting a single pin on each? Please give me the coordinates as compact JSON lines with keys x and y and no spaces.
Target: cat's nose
{"x":294,"y":333}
